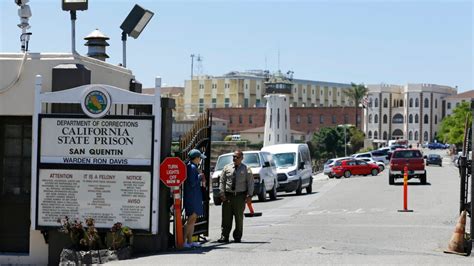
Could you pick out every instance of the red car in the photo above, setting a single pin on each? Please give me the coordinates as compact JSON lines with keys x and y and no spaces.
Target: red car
{"x":350,"y":167}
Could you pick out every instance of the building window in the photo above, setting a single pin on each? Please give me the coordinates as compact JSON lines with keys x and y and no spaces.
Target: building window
{"x":310,"y":119}
{"x":425,"y":119}
{"x":370,"y":134}
{"x":286,"y":120}
{"x":321,"y":119}
{"x":246,"y":102}
{"x":201,"y":105}
{"x":401,"y":103}
{"x":436,"y":119}
{"x":449,"y":105}
{"x":376,"y":104}
{"x":370,"y":119}
{"x":457,"y":104}
{"x":295,"y":104}
{"x":411,"y":102}
{"x":298,"y":119}
{"x":278,"y":118}
{"x":425,"y":136}
{"x":250,"y":119}
{"x":436,"y":103}
{"x":410,"y":119}
{"x":271,"y":117}
{"x":385,"y":119}
{"x":427,"y":104}
{"x":376,"y":119}
{"x":416,"y":119}
{"x":417,"y":103}
{"x":214,"y":102}
{"x":334,"y":119}
{"x":226,"y":102}
{"x":375,"y":135}
{"x":410,"y":135}
{"x":397,"y":119}
{"x":346,"y":119}
{"x":240,"y":119}
{"x":370,"y":102}
{"x":416,"y":135}
{"x":385,"y":135}
{"x":385,"y":103}
{"x":257,"y":102}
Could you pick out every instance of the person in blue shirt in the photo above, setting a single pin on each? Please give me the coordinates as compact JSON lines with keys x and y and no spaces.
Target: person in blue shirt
{"x":193,"y":195}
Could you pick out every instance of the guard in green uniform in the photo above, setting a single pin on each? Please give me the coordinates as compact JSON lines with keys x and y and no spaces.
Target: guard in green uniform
{"x":236,"y":187}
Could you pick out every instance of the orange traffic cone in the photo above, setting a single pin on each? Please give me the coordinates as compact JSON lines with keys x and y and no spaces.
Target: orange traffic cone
{"x":252,"y":213}
{"x":456,"y":244}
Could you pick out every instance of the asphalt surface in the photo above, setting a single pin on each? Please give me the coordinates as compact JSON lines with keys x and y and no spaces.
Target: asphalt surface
{"x":344,"y":221}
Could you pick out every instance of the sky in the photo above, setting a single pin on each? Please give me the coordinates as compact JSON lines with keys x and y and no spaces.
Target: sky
{"x":370,"y":42}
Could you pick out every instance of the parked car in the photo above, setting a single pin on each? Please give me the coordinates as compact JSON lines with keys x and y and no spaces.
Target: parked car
{"x":437,"y":145}
{"x":413,"y":159}
{"x":381,"y":165}
{"x":350,"y":167}
{"x":381,"y":155}
{"x":434,"y":159}
{"x":263,"y":169}
{"x":330,"y":163}
{"x":294,"y":167}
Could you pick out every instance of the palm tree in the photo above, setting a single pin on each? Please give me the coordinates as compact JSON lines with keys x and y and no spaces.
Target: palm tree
{"x":356,"y":93}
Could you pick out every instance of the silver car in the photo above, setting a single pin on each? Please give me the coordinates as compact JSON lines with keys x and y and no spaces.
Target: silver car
{"x":330,"y":163}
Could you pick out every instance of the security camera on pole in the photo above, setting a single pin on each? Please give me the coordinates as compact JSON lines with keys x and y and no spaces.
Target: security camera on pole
{"x":25,"y":14}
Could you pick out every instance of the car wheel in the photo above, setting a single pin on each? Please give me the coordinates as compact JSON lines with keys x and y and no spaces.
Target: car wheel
{"x":440,"y":165}
{"x":347,"y":174}
{"x":375,"y":172}
{"x":273,"y":192}
{"x":299,"y":189}
{"x":423,"y":179}
{"x":391,"y":179}
{"x":330,"y":176}
{"x":262,"y":196}
{"x":309,"y":188}
{"x":381,"y":168}
{"x":427,"y":164}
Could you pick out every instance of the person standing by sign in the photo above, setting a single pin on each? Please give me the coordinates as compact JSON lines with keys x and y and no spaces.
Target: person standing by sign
{"x":236,"y":188}
{"x":192,"y":195}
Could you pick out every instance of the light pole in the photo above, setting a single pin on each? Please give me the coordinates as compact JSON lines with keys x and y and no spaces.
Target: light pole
{"x":344,"y":126}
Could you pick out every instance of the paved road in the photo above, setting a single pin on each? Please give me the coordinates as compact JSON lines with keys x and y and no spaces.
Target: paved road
{"x":349,"y":221}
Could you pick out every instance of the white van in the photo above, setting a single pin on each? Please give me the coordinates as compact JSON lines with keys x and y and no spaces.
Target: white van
{"x":294,"y":167}
{"x":263,"y":169}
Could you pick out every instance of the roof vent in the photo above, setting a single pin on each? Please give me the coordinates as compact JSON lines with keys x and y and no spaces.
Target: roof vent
{"x":97,"y":41}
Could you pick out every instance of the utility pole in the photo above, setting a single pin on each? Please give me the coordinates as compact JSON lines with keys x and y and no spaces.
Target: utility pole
{"x":192,"y":65}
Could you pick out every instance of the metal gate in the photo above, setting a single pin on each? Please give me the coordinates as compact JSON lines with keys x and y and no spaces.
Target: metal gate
{"x":199,"y":137}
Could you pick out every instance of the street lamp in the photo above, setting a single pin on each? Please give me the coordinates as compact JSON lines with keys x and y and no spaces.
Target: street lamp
{"x":133,"y":25}
{"x":72,"y":6}
{"x":344,"y":126}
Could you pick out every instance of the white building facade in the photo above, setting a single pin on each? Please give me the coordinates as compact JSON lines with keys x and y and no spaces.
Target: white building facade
{"x":412,"y":112}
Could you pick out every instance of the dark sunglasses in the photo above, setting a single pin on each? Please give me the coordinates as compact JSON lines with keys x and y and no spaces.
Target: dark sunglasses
{"x":236,"y":157}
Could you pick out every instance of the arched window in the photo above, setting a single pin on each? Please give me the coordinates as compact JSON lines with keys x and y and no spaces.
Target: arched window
{"x":397,"y":119}
{"x":416,"y":119}
{"x":385,"y":119}
{"x":436,"y":103}
{"x":416,"y":135}
{"x":375,"y":135}
{"x":410,"y":119}
{"x":370,"y":134}
{"x":376,"y":119}
{"x":376,"y":104}
{"x":410,"y":135}
{"x":436,"y":119}
{"x":417,"y":103}
{"x":401,"y":103}
{"x":370,"y":118}
{"x":397,"y":134}
{"x":427,"y":103}
{"x":395,"y":103}
{"x":370,"y":102}
{"x":385,"y":103}
{"x":411,"y":102}
{"x":425,"y":119}
{"x":385,"y":135}
{"x":425,"y":136}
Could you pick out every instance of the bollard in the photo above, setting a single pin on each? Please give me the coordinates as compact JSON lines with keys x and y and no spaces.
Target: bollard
{"x":179,"y":238}
{"x":405,"y":191}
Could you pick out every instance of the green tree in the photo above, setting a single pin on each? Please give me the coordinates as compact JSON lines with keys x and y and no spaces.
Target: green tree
{"x":356,"y":139}
{"x":452,"y":126}
{"x":356,"y":93}
{"x":328,"y":143}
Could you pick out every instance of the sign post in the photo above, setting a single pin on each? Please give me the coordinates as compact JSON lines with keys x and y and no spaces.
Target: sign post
{"x":173,"y":174}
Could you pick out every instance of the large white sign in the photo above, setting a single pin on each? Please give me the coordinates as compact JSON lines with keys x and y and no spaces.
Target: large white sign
{"x":96,"y":141}
{"x":106,"y":196}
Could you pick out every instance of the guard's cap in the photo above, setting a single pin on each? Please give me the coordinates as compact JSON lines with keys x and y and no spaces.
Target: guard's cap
{"x":196,"y":153}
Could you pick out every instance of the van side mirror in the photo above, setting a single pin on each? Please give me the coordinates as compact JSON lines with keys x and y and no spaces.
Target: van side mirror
{"x":301,"y":165}
{"x":212,"y":169}
{"x":425,"y":157}
{"x":266,"y":164}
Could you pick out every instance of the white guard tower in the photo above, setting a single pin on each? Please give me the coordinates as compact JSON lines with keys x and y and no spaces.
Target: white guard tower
{"x":277,"y":115}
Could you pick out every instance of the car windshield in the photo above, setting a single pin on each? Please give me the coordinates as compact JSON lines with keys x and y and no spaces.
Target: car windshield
{"x":329,"y":161}
{"x":434,"y":156}
{"x":284,"y":159}
{"x":250,"y":159}
{"x":407,"y":154}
